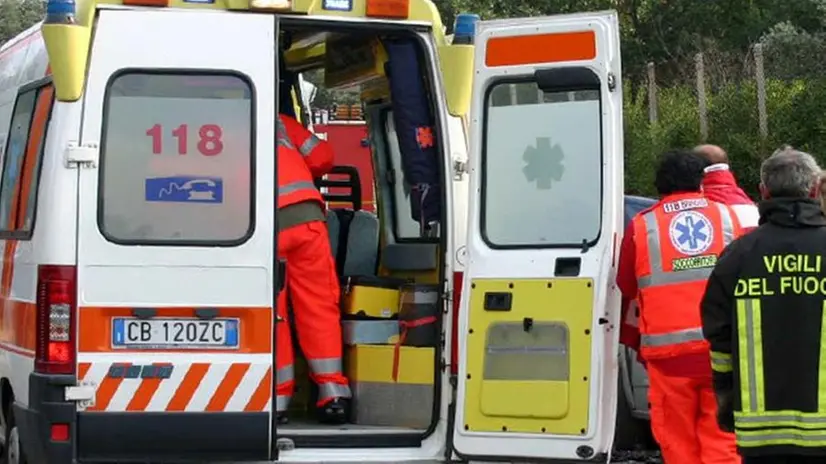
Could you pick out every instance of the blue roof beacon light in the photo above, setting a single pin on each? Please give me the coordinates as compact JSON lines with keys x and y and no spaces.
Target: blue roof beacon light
{"x":464,"y":28}
{"x":60,"y":12}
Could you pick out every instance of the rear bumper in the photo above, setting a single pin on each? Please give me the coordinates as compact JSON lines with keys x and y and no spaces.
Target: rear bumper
{"x":47,"y":406}
{"x":134,"y":437}
{"x":173,"y":437}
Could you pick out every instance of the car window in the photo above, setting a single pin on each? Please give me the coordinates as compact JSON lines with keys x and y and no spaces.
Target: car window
{"x":176,"y":159}
{"x":633,"y":205}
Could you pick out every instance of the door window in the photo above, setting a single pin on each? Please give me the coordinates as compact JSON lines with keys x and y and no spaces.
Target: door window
{"x":405,"y":226}
{"x":23,"y":156}
{"x":177,"y":159}
{"x":542,"y":165}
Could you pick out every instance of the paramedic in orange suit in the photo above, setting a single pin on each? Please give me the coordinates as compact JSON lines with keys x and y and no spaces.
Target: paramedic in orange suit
{"x":666,"y":256}
{"x":311,"y":283}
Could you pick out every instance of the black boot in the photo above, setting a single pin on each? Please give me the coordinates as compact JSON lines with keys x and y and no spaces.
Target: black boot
{"x":335,"y":412}
{"x":281,"y":418}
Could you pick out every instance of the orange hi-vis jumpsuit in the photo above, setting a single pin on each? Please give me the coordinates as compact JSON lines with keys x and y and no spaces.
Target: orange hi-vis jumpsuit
{"x":311,"y":282}
{"x":677,"y":242}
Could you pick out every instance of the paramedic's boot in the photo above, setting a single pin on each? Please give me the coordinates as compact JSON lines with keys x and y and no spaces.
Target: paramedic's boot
{"x":281,"y":418}
{"x":335,"y":412}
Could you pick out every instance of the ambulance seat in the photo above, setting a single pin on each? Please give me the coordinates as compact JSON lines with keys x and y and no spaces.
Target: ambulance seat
{"x":354,"y":233}
{"x":360,"y":229}
{"x":362,"y":253}
{"x":333,"y":230}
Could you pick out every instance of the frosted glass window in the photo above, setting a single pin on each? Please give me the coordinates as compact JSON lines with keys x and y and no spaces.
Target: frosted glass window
{"x":542,"y":166}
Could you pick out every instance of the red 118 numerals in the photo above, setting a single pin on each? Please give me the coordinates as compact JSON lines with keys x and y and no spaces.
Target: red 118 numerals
{"x":209,"y":139}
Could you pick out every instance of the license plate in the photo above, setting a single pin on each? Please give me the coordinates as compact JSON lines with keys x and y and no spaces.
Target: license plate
{"x":174,"y":333}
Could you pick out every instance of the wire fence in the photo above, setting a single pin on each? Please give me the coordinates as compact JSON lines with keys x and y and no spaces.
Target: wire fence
{"x":749,"y":103}
{"x":766,"y":78}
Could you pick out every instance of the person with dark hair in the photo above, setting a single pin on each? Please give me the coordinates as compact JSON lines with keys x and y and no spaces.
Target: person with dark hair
{"x":720,"y":185}
{"x":667,"y":254}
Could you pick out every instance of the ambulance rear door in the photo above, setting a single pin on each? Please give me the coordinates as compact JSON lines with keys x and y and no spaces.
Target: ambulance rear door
{"x":539,"y":310}
{"x":175,"y":269}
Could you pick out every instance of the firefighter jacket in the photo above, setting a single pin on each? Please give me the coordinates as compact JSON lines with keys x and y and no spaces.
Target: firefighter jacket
{"x":764,"y":315}
{"x":677,"y":243}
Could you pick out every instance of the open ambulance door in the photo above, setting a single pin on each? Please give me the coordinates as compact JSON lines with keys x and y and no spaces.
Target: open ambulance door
{"x":538,"y":317}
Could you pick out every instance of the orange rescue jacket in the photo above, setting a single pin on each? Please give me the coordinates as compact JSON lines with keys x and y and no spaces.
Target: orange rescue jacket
{"x":677,"y":242}
{"x":299,"y":166}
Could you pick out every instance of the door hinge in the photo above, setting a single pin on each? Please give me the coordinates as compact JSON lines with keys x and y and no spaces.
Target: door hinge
{"x":83,"y":395}
{"x":612,"y":82}
{"x":459,"y":169}
{"x":85,"y":155}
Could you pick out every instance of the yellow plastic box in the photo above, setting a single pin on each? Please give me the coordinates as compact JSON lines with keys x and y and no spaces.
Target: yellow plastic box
{"x":380,"y":400}
{"x":371,"y":297}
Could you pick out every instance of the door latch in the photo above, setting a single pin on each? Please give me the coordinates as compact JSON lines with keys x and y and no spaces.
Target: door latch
{"x":527,"y":324}
{"x":84,"y":156}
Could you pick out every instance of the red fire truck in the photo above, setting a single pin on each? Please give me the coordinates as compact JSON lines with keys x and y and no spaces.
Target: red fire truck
{"x":346,"y":131}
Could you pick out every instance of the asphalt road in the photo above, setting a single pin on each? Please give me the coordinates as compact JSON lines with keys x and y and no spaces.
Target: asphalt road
{"x":641,"y":456}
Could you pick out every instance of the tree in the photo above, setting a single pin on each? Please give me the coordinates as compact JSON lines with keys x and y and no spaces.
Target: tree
{"x":17,"y":16}
{"x":668,"y":32}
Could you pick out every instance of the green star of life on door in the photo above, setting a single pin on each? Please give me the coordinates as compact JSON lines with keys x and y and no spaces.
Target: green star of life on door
{"x":543,"y":163}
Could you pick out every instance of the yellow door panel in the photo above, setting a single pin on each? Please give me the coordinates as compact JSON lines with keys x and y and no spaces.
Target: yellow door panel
{"x":529,"y":355}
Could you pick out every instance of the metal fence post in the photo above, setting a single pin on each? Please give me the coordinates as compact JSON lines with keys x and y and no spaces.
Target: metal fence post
{"x":701,"y":96}
{"x":652,"y":93}
{"x":760,"y":77}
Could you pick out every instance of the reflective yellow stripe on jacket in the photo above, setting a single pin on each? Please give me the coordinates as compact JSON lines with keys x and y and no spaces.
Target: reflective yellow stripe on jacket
{"x":755,"y":425}
{"x":721,"y":362}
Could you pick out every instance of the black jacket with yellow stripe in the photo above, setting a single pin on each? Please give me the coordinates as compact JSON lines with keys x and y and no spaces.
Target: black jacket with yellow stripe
{"x":764,"y":314}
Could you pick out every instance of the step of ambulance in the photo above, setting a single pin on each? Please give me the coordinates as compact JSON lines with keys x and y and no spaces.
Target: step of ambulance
{"x":371,"y":297}
{"x":388,"y":390}
{"x":360,"y":230}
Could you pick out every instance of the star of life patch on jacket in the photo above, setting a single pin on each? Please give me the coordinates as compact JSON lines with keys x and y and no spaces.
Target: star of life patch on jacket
{"x":691,"y":233}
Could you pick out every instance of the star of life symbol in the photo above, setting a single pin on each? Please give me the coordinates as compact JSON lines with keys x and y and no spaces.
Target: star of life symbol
{"x":691,"y":232}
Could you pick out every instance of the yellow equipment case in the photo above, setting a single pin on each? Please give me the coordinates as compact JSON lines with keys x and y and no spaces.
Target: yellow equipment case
{"x":371,"y":297}
{"x":382,"y":399}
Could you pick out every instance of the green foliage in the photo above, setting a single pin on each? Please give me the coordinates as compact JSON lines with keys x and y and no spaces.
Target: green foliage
{"x":796,"y":117}
{"x":18,"y":15}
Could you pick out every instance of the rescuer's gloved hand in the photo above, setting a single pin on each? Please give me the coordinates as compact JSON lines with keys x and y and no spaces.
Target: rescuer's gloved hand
{"x":725,"y":411}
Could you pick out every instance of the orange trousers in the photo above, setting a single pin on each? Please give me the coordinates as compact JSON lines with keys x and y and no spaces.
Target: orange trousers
{"x":312,"y":286}
{"x":684,"y":420}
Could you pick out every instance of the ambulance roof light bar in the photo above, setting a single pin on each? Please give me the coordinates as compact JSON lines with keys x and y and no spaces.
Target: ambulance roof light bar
{"x":464,"y":28}
{"x":60,"y":12}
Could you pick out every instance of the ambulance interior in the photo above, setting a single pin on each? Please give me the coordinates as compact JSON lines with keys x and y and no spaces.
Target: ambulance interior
{"x":389,"y":262}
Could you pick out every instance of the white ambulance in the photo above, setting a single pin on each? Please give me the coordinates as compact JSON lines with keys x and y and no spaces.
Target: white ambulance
{"x":137,"y":200}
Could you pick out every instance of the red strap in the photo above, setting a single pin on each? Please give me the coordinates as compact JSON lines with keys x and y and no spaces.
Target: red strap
{"x":405,"y":326}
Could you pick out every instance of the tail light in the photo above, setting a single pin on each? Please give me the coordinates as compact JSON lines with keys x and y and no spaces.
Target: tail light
{"x":454,"y":336}
{"x":56,"y":315}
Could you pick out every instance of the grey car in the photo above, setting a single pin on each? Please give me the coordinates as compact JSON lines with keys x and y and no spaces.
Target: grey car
{"x":633,"y":428}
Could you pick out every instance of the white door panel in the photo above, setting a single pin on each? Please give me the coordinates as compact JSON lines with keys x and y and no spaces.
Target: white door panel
{"x":175,"y":223}
{"x":538,"y":349}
